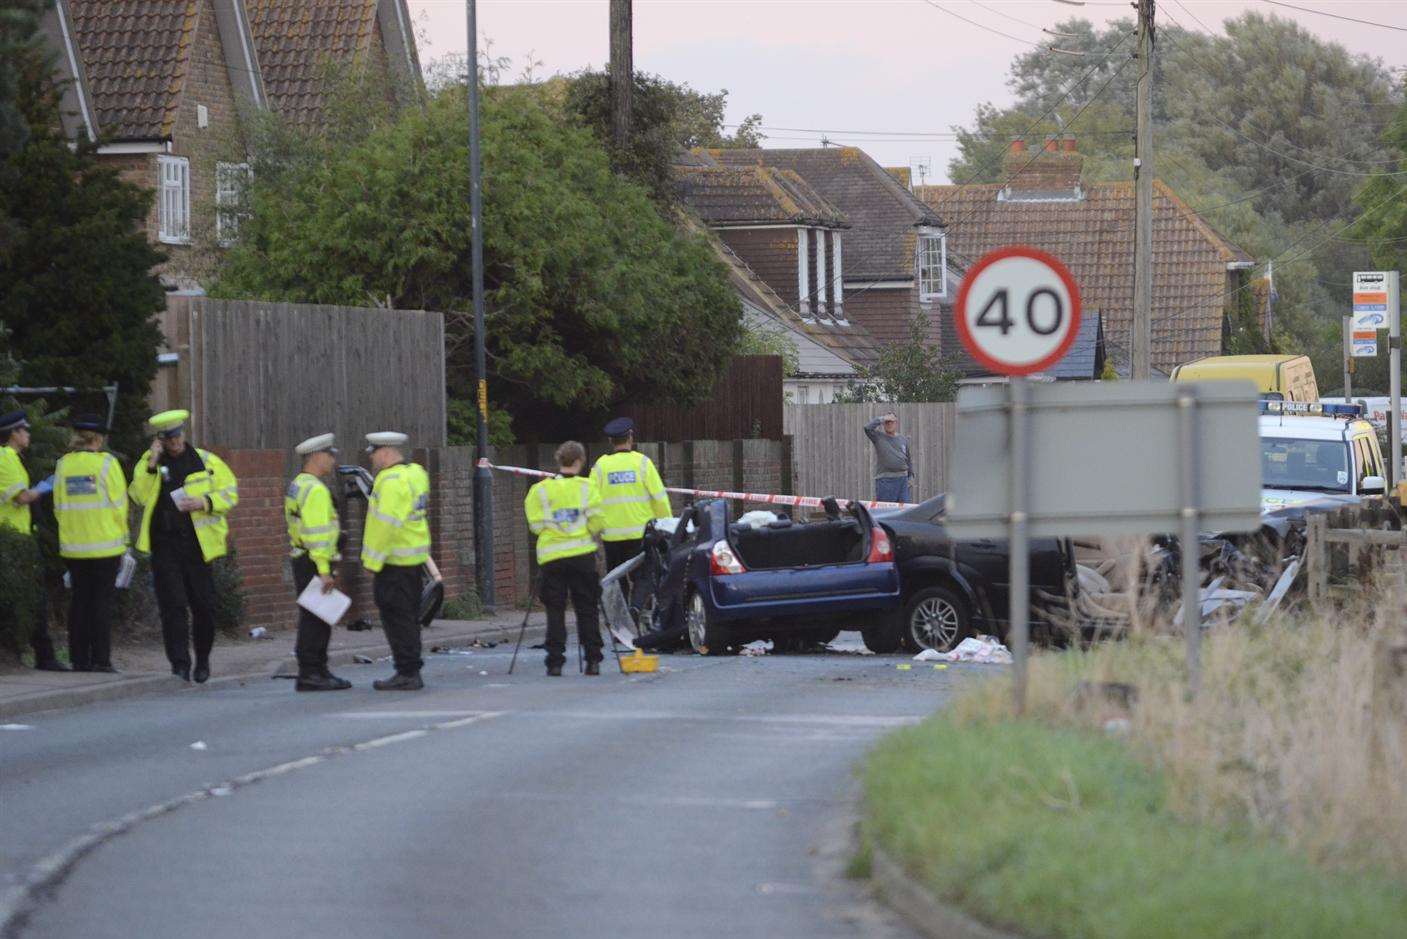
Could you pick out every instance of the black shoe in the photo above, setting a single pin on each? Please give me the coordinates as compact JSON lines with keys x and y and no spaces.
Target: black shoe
{"x":321,"y":682}
{"x":593,"y":668}
{"x":399,"y":682}
{"x":51,"y":665}
{"x":554,"y":671}
{"x":104,"y":668}
{"x":182,"y":672}
{"x":202,"y":672}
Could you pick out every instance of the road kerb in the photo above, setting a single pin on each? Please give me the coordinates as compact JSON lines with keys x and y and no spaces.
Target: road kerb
{"x":920,"y":908}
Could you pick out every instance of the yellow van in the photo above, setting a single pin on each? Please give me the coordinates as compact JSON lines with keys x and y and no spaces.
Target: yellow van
{"x":1279,"y":377}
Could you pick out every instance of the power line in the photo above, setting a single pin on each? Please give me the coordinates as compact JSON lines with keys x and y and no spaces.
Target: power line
{"x":1335,"y":16}
{"x":990,"y":29}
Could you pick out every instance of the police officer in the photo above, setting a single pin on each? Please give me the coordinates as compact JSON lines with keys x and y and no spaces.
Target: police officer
{"x":312,"y":536}
{"x":566,"y":515}
{"x":90,"y":503}
{"x":631,"y":493}
{"x":395,"y":546}
{"x":185,"y":494}
{"x":16,"y":497}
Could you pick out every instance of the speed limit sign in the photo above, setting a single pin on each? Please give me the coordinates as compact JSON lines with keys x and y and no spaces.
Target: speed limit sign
{"x":1018,"y":310}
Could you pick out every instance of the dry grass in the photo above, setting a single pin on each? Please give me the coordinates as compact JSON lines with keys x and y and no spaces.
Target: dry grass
{"x":1299,"y":732}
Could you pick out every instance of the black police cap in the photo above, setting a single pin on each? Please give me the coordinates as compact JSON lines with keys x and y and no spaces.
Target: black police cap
{"x":620,"y":427}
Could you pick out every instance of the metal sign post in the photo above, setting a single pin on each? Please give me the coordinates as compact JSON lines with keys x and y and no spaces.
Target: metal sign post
{"x":1018,"y":312}
{"x":1191,"y":547}
{"x":1377,"y":304}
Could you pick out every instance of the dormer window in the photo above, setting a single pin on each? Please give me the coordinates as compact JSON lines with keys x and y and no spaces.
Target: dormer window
{"x":932,"y":264}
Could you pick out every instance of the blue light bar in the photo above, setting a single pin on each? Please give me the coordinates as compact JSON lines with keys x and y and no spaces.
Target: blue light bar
{"x":1343,"y":410}
{"x":1312,"y":408}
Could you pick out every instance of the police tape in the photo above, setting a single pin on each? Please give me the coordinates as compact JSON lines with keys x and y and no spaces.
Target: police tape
{"x":768,"y":498}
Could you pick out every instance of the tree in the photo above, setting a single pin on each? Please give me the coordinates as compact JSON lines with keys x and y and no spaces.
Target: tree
{"x":19,"y":38}
{"x":591,"y":295}
{"x":905,"y":371}
{"x":77,"y":290}
{"x":1383,"y":230}
{"x":665,"y":118}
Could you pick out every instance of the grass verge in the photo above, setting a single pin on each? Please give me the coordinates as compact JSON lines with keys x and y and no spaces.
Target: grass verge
{"x":1063,"y":832}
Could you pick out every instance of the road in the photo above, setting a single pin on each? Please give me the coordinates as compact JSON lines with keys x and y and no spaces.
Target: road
{"x":714,"y":798}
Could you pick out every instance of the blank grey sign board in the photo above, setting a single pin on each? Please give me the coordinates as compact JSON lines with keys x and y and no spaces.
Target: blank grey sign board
{"x":1106,"y":459}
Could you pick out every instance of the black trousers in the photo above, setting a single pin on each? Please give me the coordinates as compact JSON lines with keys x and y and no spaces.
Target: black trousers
{"x":90,"y":610}
{"x":397,"y":594}
{"x":184,"y":583}
{"x":313,"y":633}
{"x":39,"y":640}
{"x":617,"y":553}
{"x":575,"y":577}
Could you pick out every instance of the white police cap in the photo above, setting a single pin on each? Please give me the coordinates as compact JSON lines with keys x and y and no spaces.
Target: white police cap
{"x":318,"y":444}
{"x":386,"y":438}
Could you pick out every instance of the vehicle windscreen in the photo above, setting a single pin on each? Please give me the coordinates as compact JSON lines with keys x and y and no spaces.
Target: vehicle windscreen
{"x":1288,"y":463}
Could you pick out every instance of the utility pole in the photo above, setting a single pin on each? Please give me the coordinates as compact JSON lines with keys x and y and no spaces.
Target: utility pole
{"x":483,"y":476}
{"x":622,"y":72}
{"x":1143,"y":201}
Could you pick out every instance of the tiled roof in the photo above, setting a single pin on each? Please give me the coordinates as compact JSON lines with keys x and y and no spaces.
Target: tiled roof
{"x":882,"y":213}
{"x":135,"y":54}
{"x":296,"y":39}
{"x":753,"y":194}
{"x":852,"y":343}
{"x":1094,"y":237}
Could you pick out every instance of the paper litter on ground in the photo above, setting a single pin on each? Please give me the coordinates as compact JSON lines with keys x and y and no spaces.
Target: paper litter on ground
{"x":756,"y":647}
{"x":199,"y":745}
{"x":984,"y":650}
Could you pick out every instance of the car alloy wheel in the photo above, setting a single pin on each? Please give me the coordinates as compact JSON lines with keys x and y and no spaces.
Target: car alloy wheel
{"x":696,"y":619}
{"x":935,"y":623}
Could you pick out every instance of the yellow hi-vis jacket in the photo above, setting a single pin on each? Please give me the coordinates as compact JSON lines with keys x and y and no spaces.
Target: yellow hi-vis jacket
{"x":14,"y":480}
{"x":90,"y":503}
{"x":217,"y":485}
{"x":631,"y":494}
{"x":312,"y":521}
{"x":397,"y":532}
{"x":565,"y":514}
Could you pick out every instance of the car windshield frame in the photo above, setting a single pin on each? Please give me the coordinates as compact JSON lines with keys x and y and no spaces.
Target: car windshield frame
{"x":1314,"y":473}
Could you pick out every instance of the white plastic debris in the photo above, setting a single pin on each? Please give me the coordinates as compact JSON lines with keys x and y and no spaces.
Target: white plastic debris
{"x":16,"y":726}
{"x":756,"y":647}
{"x":258,"y":632}
{"x":757,"y":518}
{"x":1282,"y":587}
{"x":984,"y":650}
{"x":199,"y":745}
{"x":483,"y":673}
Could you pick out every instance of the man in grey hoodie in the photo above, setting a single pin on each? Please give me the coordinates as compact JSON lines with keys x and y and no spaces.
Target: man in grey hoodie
{"x":894,"y":465}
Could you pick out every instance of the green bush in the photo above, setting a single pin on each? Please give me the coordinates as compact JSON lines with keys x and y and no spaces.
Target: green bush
{"x":229,"y":594}
{"x":20,"y":583}
{"x":465,"y":606}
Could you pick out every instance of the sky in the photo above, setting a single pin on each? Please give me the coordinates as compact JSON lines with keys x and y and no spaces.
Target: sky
{"x":890,"y":76}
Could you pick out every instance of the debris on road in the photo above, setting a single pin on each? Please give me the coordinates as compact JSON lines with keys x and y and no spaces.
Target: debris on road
{"x":200,"y":745}
{"x":756,"y":647}
{"x":449,"y":650}
{"x":16,"y":726}
{"x":984,"y":650}
{"x":360,"y":659}
{"x":259,"y":632}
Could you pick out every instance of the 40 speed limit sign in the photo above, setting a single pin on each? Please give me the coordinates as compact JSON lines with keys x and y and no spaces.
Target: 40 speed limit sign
{"x":1018,"y":310}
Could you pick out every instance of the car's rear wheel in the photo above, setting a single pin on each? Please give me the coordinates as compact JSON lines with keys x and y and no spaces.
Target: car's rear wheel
{"x":935,"y":618}
{"x":706,"y":636}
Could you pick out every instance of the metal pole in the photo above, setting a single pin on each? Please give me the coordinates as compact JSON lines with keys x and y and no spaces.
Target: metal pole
{"x":1394,"y":367}
{"x":1020,"y":595}
{"x":1348,"y":360}
{"x":483,"y":476}
{"x":1142,"y":365}
{"x":1191,"y":549}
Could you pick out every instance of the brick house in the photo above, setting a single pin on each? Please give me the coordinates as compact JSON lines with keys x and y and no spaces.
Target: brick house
{"x":887,"y":263}
{"x":1089,"y":225}
{"x":757,"y":217}
{"x":167,"y":88}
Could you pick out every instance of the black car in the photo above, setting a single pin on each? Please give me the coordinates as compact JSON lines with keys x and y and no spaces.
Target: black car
{"x":954,"y":589}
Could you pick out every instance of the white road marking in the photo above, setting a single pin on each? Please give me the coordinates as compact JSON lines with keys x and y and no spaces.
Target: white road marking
{"x":396,"y":715}
{"x":389,"y":739}
{"x":824,"y":720}
{"x":466,"y":721}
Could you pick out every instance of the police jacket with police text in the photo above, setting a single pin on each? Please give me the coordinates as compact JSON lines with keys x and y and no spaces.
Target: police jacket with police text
{"x":90,"y":504}
{"x":397,"y":530}
{"x":632,"y":493}
{"x":565,"y":514}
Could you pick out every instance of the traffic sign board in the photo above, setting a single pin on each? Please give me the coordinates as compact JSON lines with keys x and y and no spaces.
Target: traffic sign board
{"x":1018,"y":310}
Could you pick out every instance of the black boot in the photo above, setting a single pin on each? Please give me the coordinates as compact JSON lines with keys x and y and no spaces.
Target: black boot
{"x":182,"y":672}
{"x":554,"y":671}
{"x":399,"y":682}
{"x":593,"y":668}
{"x":321,"y":681}
{"x":51,"y":665}
{"x":202,"y":671}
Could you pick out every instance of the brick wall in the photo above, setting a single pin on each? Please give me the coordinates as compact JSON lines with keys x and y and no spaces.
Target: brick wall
{"x":771,"y":252}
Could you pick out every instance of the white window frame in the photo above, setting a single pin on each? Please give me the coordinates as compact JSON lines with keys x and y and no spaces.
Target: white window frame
{"x":932,"y":247}
{"x":231,"y":191}
{"x":173,"y":199}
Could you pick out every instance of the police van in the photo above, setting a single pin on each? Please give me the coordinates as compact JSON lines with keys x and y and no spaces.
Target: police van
{"x":1312,"y":452}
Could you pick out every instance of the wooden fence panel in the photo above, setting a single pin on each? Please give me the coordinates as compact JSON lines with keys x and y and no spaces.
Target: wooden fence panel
{"x":266,"y":375}
{"x":745,"y":403}
{"x":832,"y":456}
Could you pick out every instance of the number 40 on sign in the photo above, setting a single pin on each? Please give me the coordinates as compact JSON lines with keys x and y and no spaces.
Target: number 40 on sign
{"x":1018,"y":310}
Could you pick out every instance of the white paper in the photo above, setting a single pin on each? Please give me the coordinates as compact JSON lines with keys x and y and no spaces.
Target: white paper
{"x":177,"y":495}
{"x":327,"y":607}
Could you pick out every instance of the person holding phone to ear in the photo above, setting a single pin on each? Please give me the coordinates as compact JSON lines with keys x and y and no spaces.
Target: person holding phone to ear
{"x":185,"y":493}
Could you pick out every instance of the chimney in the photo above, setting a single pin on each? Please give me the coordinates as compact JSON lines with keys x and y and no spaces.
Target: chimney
{"x":1053,"y":171}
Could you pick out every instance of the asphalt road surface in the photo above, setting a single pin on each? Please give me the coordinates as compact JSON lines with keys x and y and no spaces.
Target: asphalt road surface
{"x":715,"y":798}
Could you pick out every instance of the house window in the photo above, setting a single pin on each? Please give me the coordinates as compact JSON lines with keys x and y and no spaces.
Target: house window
{"x":175,"y":206}
{"x":231,"y":195}
{"x":932,"y":266}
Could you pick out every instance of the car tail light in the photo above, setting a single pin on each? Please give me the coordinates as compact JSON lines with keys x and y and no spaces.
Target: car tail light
{"x":880,"y":548}
{"x":723,"y":560}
